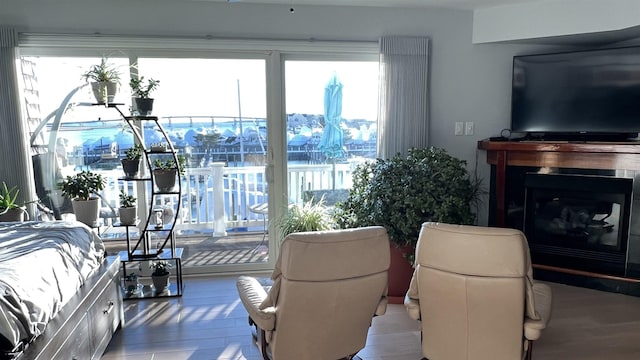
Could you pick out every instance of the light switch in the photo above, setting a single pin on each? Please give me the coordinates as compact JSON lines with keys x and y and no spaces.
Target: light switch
{"x":468,"y":128}
{"x":459,"y":130}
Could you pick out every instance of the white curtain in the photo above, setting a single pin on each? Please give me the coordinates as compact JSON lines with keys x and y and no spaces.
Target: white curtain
{"x":15,"y":168}
{"x":403,"y":116}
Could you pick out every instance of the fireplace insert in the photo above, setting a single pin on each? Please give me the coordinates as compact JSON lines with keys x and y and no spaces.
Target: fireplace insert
{"x":578,"y":221}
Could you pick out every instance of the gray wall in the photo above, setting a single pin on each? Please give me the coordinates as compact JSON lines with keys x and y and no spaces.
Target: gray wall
{"x":468,"y":82}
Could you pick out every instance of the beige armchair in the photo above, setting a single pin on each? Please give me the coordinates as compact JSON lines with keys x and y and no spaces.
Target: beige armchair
{"x":327,"y":286}
{"x":474,"y":292}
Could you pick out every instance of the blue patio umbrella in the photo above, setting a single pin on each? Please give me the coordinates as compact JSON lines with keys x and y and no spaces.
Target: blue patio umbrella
{"x":331,"y":141}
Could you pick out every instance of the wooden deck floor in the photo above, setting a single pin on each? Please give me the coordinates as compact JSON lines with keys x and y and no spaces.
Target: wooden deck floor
{"x":201,"y":250}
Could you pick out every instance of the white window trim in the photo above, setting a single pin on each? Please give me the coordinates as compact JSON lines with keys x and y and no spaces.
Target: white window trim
{"x":51,"y":42}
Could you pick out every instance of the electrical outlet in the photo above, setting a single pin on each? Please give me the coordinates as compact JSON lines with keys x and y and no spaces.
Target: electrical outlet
{"x":459,"y":130}
{"x":468,"y":128}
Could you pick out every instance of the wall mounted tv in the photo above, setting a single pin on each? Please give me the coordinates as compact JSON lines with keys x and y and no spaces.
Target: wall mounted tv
{"x":584,"y":95}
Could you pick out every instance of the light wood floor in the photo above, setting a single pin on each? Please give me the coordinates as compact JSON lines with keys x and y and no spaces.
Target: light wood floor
{"x":209,"y":322}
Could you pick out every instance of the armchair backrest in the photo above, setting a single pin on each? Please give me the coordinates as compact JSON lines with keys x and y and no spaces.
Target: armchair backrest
{"x":329,"y":285}
{"x":472,"y":287}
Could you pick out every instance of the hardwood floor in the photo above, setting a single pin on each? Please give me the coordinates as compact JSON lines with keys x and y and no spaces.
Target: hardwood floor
{"x":209,"y":322}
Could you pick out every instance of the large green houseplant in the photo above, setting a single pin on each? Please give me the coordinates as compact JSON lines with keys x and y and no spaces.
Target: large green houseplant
{"x":82,"y":188}
{"x":402,"y":193}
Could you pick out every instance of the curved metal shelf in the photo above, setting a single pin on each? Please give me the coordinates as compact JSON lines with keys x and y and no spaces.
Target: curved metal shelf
{"x":166,"y":249}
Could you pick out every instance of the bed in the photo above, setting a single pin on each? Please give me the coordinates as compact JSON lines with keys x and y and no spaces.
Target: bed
{"x":61,"y":297}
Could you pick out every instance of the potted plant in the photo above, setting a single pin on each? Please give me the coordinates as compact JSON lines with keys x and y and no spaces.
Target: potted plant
{"x":141,"y":90}
{"x":401,"y":194}
{"x":104,"y":78}
{"x":160,"y":275}
{"x":165,"y":172}
{"x":310,"y":216}
{"x":128,"y":209}
{"x":131,"y":283}
{"x":131,"y":162}
{"x":9,"y":209}
{"x":81,"y":188}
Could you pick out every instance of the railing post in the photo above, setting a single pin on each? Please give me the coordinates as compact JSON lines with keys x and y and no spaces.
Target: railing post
{"x":219,"y":224}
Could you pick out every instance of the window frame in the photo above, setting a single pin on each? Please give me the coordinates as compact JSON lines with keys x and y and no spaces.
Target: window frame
{"x":274,"y":52}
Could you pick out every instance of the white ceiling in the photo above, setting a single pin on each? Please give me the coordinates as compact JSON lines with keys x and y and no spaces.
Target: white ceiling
{"x":453,"y":4}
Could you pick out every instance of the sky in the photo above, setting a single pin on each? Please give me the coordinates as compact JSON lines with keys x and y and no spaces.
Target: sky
{"x":205,"y":87}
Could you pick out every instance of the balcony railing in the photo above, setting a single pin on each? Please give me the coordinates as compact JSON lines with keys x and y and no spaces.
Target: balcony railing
{"x":218,"y":198}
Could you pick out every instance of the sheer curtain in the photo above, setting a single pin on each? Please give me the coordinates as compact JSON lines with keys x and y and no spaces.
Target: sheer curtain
{"x":403,"y":116}
{"x":15,"y":168}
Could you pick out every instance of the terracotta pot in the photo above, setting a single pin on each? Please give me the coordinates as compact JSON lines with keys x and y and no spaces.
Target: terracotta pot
{"x":400,"y":273}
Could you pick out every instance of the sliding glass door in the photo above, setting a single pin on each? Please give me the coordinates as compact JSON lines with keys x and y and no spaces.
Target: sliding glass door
{"x":249,"y":119}
{"x":214,"y":112}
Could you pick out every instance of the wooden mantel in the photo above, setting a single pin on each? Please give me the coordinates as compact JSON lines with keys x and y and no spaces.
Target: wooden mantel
{"x":578,"y":155}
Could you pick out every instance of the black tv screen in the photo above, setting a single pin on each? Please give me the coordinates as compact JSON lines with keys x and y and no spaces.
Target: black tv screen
{"x":585,"y":93}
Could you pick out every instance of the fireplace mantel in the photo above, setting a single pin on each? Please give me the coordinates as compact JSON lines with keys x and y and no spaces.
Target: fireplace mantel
{"x":557,"y":154}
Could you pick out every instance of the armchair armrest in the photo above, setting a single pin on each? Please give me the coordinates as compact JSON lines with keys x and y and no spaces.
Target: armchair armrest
{"x":382,"y":306}
{"x":252,"y":294}
{"x":543,"y":300}
{"x":411,"y":299}
{"x":413,"y":307}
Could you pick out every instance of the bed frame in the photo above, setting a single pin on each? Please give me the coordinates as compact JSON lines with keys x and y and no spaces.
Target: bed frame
{"x":85,"y":325}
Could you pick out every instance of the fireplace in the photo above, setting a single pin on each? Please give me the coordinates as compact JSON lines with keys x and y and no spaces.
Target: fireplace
{"x":578,"y":221}
{"x":587,"y":198}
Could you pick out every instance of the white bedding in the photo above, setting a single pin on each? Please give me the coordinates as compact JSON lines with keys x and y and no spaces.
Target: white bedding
{"x":42,"y":265}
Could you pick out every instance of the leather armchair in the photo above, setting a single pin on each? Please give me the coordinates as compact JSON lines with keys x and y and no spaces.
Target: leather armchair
{"x":474,"y":293}
{"x":327,"y":286}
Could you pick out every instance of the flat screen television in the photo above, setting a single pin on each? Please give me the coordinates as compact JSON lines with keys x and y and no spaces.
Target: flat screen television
{"x":586,"y":95}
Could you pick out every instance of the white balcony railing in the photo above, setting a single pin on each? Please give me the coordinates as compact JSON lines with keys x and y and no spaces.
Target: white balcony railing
{"x":218,"y":197}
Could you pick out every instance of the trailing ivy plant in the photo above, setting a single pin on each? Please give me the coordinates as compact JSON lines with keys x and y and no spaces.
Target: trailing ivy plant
{"x":402,"y":193}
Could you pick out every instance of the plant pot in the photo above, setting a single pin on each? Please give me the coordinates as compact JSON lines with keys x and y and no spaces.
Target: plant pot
{"x":160,"y":282}
{"x":165,"y":179}
{"x":87,"y":211}
{"x":131,"y":286}
{"x":131,"y":168}
{"x":14,"y":214}
{"x":128,"y":215}
{"x":144,"y":106}
{"x":400,"y":273}
{"x":102,"y":90}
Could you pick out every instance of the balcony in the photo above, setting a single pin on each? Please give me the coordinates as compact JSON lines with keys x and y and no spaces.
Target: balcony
{"x":215,"y":224}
